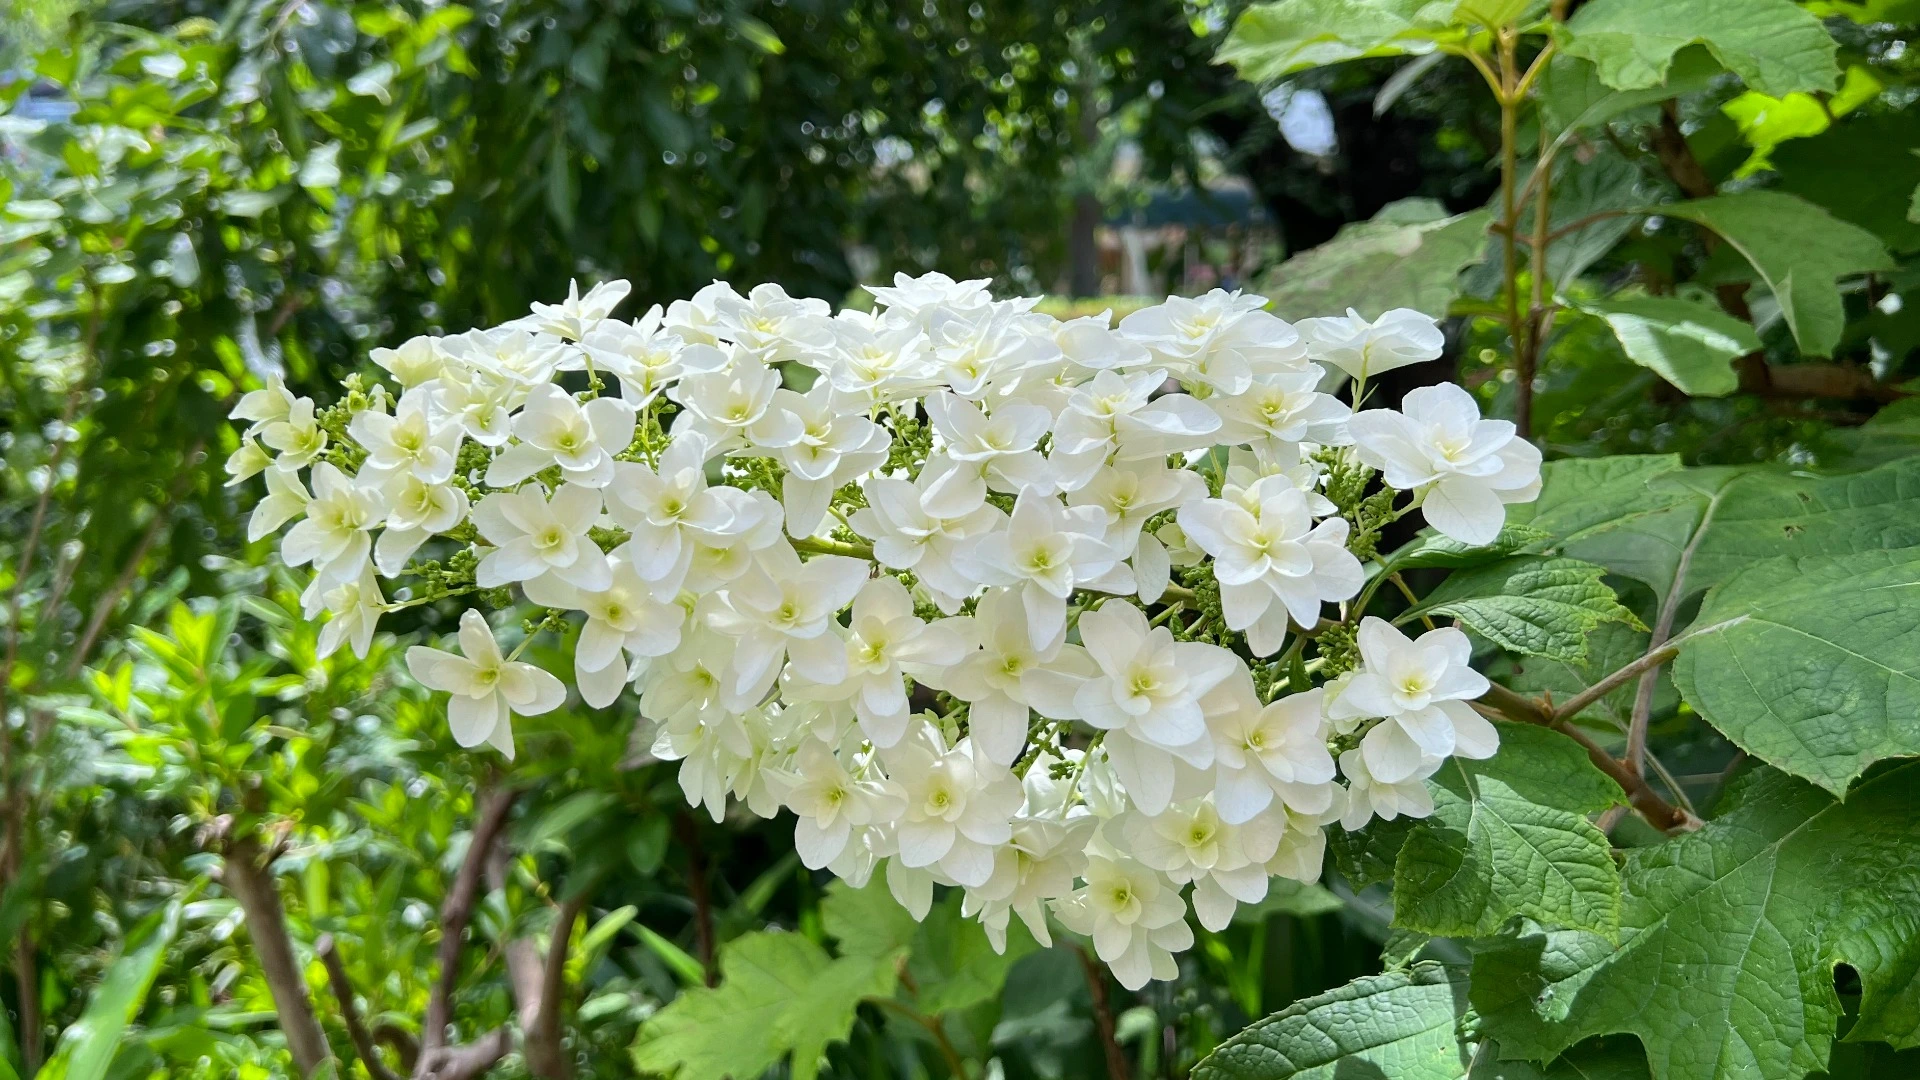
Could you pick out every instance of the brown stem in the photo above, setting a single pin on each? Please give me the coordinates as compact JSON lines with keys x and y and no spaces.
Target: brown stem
{"x":1509,"y":227}
{"x":1117,"y":1066}
{"x":1578,"y":703}
{"x":546,"y":1058}
{"x":1676,"y":157}
{"x":350,"y":1012}
{"x":466,"y":1061}
{"x":455,"y":912}
{"x":248,"y":876}
{"x":26,"y":971}
{"x":1659,"y":812}
{"x":689,"y":835}
{"x":931,"y":1025}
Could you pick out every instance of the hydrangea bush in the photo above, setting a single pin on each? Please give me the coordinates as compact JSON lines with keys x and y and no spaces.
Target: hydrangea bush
{"x":982,"y":598}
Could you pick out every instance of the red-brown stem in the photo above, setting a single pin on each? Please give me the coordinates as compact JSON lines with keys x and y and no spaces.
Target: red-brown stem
{"x":1117,"y":1066}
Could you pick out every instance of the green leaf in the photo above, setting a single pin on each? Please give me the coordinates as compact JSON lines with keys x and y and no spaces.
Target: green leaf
{"x":1573,"y":97}
{"x":1403,"y":1024}
{"x":779,"y":993}
{"x":1431,"y":549}
{"x":1847,"y":171}
{"x":1531,"y":604}
{"x":1617,"y":1058}
{"x":1510,"y":836}
{"x":1409,"y":255}
{"x":1776,"y":46}
{"x":1610,"y":647}
{"x":953,"y":965}
{"x":1271,"y":40}
{"x":1687,"y":343}
{"x":1765,"y":121}
{"x":87,"y":1047}
{"x":1822,"y":677}
{"x":1799,"y":250}
{"x":1729,"y":938}
{"x":866,"y":921}
{"x":1638,"y":516}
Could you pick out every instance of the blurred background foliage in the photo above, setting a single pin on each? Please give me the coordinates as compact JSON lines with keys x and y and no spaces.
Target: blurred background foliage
{"x":195,"y":194}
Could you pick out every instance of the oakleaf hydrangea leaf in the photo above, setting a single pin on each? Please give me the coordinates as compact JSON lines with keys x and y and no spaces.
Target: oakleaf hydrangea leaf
{"x":1821,"y":678}
{"x":1730,"y":936}
{"x":1403,"y":1024}
{"x":1510,"y":836}
{"x":1534,"y":605}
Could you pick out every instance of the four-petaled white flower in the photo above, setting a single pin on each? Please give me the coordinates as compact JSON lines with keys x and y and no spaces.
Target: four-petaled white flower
{"x":1046,"y":551}
{"x":622,"y":620}
{"x":1464,"y":469}
{"x":487,"y":688}
{"x":784,"y":606}
{"x":412,"y":440}
{"x":334,"y":534}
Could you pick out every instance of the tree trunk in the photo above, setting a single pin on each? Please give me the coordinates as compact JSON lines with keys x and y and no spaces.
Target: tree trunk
{"x":246,"y":876}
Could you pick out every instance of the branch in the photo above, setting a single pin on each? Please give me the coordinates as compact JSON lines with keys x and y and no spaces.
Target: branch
{"x":1661,"y":814}
{"x":689,"y":836}
{"x":245,"y":874}
{"x":1662,"y":629}
{"x":464,"y":1062}
{"x":350,"y":1013}
{"x":542,"y":1037}
{"x":455,"y":912}
{"x":1577,"y":704}
{"x":27,"y":977}
{"x":1117,"y":1066}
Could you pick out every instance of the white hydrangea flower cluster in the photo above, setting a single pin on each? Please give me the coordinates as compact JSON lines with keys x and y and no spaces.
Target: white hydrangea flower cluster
{"x":910,"y":574}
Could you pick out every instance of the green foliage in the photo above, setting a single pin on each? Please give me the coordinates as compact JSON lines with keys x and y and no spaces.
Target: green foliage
{"x":1529,"y":604}
{"x":779,"y":993}
{"x":1410,"y":255}
{"x":86,"y":1050}
{"x":1729,"y":937}
{"x":1403,"y":1024}
{"x":1817,"y":677}
{"x":1687,"y":343}
{"x":1799,"y":250}
{"x":1510,"y":836}
{"x":1775,"y":45}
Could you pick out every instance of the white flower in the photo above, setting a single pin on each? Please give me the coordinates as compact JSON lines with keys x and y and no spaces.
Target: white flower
{"x":1365,"y":349}
{"x":1263,"y":752}
{"x":731,"y":406}
{"x":1464,"y":469}
{"x":285,"y":500}
{"x":1369,"y":797}
{"x":554,"y":429}
{"x":1282,"y":408}
{"x":1271,"y":560}
{"x":356,"y":606}
{"x":786,"y":606}
{"x":835,"y":446}
{"x":417,"y":360}
{"x":828,"y":801}
{"x":622,"y":618}
{"x":1220,"y":340}
{"x":914,"y":299}
{"x":533,"y":536}
{"x":876,"y":361}
{"x":416,"y":511}
{"x":246,"y":463}
{"x":1127,"y":495}
{"x":906,"y":537}
{"x":410,"y":440}
{"x":1135,"y":917}
{"x":334,"y":534}
{"x":1115,"y":417}
{"x":992,"y":679}
{"x":645,"y":357}
{"x":1145,"y":693}
{"x":486,"y":687}
{"x":1191,"y":842}
{"x":1420,"y":690}
{"x":576,"y":316}
{"x":959,"y":806}
{"x":1046,"y":551}
{"x":994,"y":452}
{"x":669,"y":511}
{"x":885,"y":641}
{"x":296,"y":435}
{"x":771,"y":325}
{"x":272,"y":403}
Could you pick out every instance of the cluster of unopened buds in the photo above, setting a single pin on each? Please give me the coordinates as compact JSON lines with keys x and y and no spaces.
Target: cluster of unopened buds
{"x":984,"y":598}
